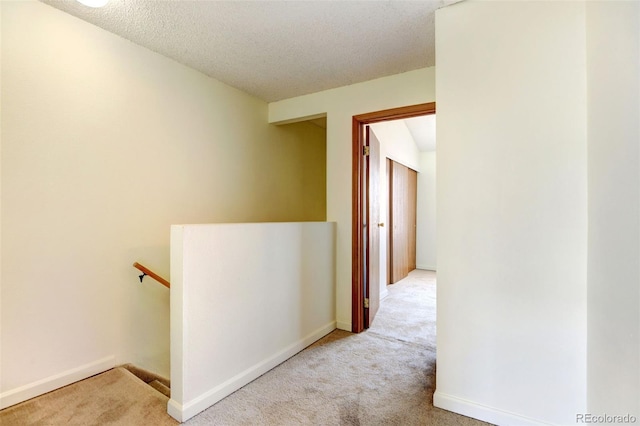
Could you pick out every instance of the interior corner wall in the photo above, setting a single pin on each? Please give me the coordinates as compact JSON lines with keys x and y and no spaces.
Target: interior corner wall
{"x":512,"y":211}
{"x":340,"y":105}
{"x":396,"y":143}
{"x":613,"y":87}
{"x":105,"y":144}
{"x":426,"y":241}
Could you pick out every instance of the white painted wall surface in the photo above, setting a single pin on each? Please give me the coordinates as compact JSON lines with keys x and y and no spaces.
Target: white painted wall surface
{"x":340,"y":105}
{"x":613,"y":73}
{"x":512,"y":211}
{"x":244,"y":298}
{"x":105,"y":145}
{"x":1,"y":34}
{"x":397,"y":143}
{"x":426,"y":250}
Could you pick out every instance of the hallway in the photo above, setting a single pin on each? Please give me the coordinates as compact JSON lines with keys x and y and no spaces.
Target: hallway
{"x":384,"y":376}
{"x":408,"y":313}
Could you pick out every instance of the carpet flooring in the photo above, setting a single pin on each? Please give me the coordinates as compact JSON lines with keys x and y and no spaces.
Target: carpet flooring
{"x":384,"y":376}
{"x":115,"y":397}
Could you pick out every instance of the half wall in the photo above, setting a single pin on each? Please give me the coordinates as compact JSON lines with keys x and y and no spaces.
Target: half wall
{"x":244,"y":298}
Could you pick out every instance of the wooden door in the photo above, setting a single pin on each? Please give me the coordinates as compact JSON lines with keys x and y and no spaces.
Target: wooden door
{"x":403,"y":183}
{"x":411,"y":217}
{"x":372,"y":231}
{"x":389,"y":223}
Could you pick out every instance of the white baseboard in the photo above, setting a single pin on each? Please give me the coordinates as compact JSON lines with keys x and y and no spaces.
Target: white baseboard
{"x":31,"y":390}
{"x":426,"y":267}
{"x":482,"y":412}
{"x":383,"y":292}
{"x":346,"y":326}
{"x":183,"y":412}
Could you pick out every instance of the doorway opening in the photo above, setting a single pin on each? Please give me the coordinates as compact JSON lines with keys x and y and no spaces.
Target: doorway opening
{"x":365,"y":288}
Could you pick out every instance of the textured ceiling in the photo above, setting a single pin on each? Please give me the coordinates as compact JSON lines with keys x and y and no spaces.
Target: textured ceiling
{"x":277,"y":49}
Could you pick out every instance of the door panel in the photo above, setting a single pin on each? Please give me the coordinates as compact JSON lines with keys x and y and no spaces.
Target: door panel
{"x":402,"y":239}
{"x":389,"y":231}
{"x":372,"y":281}
{"x":412,"y":204}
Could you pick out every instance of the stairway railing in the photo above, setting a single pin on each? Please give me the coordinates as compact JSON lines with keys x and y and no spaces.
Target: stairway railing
{"x":146,"y":271}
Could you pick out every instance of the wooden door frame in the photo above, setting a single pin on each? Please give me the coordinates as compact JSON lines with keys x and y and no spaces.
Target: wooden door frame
{"x":357,"y":140}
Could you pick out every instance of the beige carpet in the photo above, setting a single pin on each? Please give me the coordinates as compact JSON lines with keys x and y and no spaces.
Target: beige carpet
{"x":115,"y":397}
{"x":385,"y":376}
{"x":408,"y":313}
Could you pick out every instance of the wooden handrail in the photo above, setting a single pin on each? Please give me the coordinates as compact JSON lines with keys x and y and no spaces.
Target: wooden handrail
{"x":147,"y":271}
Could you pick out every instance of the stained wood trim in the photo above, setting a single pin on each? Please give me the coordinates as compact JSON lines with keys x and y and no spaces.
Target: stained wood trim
{"x":357,"y":298}
{"x":152,"y":274}
{"x":357,"y":141}
{"x":397,"y":113}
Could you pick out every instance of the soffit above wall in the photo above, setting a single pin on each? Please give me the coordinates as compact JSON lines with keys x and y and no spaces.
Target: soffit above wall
{"x":277,"y":49}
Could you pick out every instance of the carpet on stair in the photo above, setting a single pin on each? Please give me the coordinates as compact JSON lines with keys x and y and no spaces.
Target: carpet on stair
{"x":115,"y":397}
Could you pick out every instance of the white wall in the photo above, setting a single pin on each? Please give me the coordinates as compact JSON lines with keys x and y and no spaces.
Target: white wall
{"x":613,"y":57}
{"x":512,"y":211}
{"x":104,"y":145}
{"x":397,"y":143}
{"x":1,"y":96}
{"x":244,"y":298}
{"x":426,"y":250}
{"x":340,"y":105}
